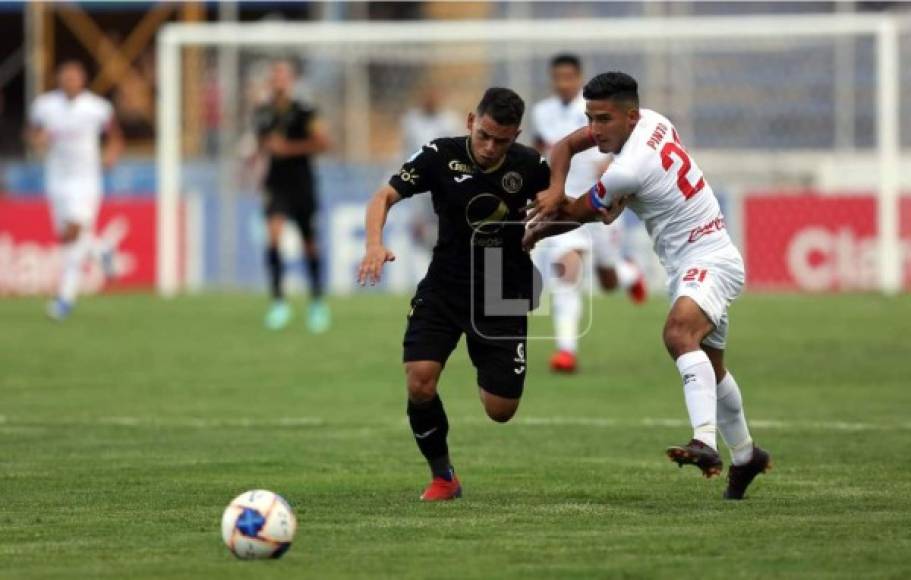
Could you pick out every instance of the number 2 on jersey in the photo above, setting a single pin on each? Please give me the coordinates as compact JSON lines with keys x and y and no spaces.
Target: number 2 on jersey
{"x":674,"y":148}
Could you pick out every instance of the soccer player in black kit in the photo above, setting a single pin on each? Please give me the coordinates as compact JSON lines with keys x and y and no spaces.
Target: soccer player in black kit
{"x":480,"y":184}
{"x":289,"y":134}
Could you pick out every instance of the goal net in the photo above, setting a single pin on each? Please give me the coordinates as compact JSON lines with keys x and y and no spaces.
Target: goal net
{"x":797,"y":122}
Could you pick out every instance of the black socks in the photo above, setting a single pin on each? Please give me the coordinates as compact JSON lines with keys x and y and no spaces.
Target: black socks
{"x":314,"y":269}
{"x":430,"y":427}
{"x":276,"y":271}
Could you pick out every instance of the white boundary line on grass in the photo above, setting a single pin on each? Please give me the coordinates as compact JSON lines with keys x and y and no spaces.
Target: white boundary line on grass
{"x":558,"y":421}
{"x":553,"y":421}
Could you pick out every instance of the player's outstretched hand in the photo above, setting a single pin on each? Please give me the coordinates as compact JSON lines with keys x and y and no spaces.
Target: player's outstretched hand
{"x":372,"y":265}
{"x":530,"y":237}
{"x":548,"y":202}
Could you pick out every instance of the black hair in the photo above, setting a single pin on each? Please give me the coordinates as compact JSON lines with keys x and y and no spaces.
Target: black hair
{"x":614,"y":85}
{"x":502,"y":105}
{"x":568,"y":59}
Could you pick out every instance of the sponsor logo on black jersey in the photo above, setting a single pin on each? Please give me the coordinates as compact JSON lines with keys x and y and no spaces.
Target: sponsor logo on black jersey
{"x":409,"y":176}
{"x":486,"y":213}
{"x":459,"y":166}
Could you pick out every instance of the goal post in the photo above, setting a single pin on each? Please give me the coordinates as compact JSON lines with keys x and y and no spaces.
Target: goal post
{"x":513,"y":47}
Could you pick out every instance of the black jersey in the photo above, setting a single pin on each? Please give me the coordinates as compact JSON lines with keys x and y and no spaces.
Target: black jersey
{"x":474,"y":207}
{"x":293,"y":122}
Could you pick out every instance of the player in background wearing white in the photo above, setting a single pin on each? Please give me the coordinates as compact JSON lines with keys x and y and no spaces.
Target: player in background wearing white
{"x":420,"y":125}
{"x":553,"y":119}
{"x":653,"y":175}
{"x":67,"y":125}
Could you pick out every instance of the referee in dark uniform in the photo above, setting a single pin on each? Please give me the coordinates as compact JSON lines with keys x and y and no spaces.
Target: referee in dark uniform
{"x":480,"y":282}
{"x":290,"y":135}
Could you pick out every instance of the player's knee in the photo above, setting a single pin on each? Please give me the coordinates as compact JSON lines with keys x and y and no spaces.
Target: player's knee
{"x":679,"y":337}
{"x":501,"y":414}
{"x":499,"y":409}
{"x":608,"y":279}
{"x":422,"y":385}
{"x":70,"y":234}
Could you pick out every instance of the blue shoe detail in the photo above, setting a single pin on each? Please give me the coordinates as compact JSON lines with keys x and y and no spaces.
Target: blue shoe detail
{"x":319,"y":319}
{"x":278,"y":316}
{"x":59,"y":309}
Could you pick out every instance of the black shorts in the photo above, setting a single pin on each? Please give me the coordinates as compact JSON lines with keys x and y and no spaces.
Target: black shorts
{"x":496,"y":345}
{"x":298,"y":205}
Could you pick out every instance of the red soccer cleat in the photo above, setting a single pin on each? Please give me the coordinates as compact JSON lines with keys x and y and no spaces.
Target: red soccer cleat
{"x":638,"y":292}
{"x":442,"y":489}
{"x":563,"y":361}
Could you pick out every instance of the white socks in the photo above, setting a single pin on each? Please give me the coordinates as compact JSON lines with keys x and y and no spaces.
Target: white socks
{"x":567,"y":305}
{"x":627,"y":274}
{"x":709,"y":405}
{"x":699,"y":392}
{"x":74,"y":255}
{"x":732,"y":423}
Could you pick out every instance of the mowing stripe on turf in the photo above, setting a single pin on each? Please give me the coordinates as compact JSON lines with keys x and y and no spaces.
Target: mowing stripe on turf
{"x":553,"y":421}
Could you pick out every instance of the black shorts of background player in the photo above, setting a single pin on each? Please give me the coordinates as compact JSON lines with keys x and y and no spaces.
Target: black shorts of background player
{"x":480,"y":184}
{"x":290,"y":135}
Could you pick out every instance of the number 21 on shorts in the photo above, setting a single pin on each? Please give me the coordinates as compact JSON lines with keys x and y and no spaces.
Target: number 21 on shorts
{"x":695,"y":275}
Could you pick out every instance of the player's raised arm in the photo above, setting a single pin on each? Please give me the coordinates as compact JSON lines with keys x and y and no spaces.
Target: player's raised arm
{"x":571,"y":214}
{"x":548,"y":201}
{"x":37,"y":138}
{"x":376,"y":255}
{"x":113,"y":144}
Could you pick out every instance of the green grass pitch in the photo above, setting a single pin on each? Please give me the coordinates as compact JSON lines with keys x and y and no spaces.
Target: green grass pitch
{"x":126,"y":430}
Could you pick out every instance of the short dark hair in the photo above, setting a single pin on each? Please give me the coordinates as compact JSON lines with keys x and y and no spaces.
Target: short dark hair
{"x":613,"y":85}
{"x":502,"y":105}
{"x":568,"y":59}
{"x":72,"y":62}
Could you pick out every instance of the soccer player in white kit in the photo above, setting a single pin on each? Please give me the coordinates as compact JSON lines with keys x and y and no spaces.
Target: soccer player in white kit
{"x":553,"y":119}
{"x":66,"y":125}
{"x":653,"y":175}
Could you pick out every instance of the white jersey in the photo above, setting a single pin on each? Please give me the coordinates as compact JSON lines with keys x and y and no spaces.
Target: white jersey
{"x":75,"y":127}
{"x":668,"y":192}
{"x":552,"y":120}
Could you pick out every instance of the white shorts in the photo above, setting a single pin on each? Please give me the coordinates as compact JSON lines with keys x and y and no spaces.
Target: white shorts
{"x":74,"y":203}
{"x":605,"y":242}
{"x":713,"y":281}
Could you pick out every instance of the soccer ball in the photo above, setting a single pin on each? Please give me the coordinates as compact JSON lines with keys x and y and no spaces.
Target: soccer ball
{"x":258,"y":524}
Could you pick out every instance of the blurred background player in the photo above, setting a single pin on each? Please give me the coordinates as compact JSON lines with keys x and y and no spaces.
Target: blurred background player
{"x":66,"y":126}
{"x":420,"y":125}
{"x":290,"y":135}
{"x":480,"y":184}
{"x":654,"y":175}
{"x":553,"y":119}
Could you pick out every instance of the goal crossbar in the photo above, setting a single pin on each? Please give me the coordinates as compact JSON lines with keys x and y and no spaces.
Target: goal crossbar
{"x":883,"y":28}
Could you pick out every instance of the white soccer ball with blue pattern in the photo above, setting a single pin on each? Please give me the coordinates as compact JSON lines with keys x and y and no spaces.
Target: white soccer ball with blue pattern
{"x":258,"y":524}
